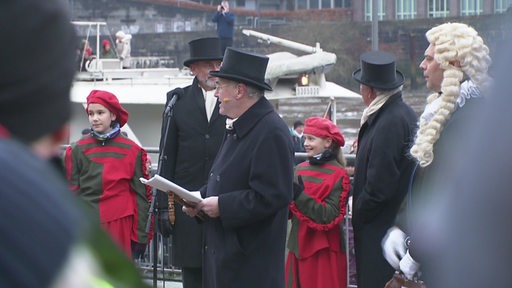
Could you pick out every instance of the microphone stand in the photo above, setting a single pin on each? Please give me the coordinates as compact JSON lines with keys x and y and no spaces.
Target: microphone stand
{"x":161,"y":160}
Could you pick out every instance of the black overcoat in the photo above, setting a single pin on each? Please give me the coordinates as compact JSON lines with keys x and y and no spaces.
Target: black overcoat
{"x":383,"y":169}
{"x":191,"y":146}
{"x":252,"y":176}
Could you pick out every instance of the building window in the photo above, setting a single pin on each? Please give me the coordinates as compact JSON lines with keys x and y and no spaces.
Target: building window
{"x":501,"y":6}
{"x":368,"y":10}
{"x":301,"y":4}
{"x":438,"y":8}
{"x":342,"y":3}
{"x":405,"y":9}
{"x":470,"y":7}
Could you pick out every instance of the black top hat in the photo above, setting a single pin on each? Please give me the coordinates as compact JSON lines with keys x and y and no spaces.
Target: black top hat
{"x":204,"y":49}
{"x":244,"y":67}
{"x":378,"y":70}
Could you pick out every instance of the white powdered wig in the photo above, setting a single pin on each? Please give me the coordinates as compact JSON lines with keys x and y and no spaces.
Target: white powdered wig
{"x":462,"y":54}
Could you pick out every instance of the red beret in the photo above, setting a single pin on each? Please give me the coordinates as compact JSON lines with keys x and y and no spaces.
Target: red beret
{"x":324,"y":128}
{"x":111,"y":102}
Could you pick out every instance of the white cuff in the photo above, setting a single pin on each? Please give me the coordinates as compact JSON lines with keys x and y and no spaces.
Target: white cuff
{"x":408,"y":266}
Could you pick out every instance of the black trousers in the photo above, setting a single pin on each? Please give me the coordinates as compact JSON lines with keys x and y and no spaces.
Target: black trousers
{"x":225,"y":43}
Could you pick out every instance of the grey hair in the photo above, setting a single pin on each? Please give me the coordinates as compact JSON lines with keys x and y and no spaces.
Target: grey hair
{"x":254,"y":92}
{"x":380,"y":92}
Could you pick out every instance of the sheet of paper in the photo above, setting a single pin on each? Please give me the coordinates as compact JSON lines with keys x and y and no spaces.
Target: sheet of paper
{"x":165,"y":185}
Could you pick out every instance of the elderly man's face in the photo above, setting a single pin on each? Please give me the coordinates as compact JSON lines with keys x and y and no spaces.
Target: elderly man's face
{"x":432,"y":72}
{"x":226,"y":91}
{"x":201,"y":70}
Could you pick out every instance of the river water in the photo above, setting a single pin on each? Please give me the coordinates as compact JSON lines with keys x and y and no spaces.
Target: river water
{"x":348,"y":111}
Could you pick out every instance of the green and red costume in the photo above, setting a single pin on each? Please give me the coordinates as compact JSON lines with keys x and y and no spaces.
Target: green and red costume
{"x":106,"y":175}
{"x":316,"y":255}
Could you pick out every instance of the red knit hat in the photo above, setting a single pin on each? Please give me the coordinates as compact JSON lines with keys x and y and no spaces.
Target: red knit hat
{"x":111,"y":102}
{"x":105,"y":42}
{"x":324,"y":128}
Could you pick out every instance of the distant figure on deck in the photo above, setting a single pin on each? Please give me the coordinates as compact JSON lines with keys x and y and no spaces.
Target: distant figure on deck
{"x":225,"y":20}
{"x":86,"y":54}
{"x":123,"y":48}
{"x":106,"y":50}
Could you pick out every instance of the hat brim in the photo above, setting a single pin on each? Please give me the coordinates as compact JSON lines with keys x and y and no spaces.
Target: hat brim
{"x":232,"y":77}
{"x":196,"y":59}
{"x":386,"y":86}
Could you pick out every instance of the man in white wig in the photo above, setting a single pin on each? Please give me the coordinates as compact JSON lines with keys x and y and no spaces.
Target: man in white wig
{"x":455,"y":68}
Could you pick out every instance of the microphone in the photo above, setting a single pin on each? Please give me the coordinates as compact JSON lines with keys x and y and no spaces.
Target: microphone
{"x":173,"y":95}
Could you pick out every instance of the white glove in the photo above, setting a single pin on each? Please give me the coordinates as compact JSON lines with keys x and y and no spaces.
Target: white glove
{"x":393,"y":246}
{"x":408,"y":266}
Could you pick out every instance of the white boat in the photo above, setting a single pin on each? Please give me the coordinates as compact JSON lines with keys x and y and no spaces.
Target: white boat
{"x":142,"y":91}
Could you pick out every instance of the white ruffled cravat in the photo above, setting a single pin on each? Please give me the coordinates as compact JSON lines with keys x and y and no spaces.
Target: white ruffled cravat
{"x":468,"y":90}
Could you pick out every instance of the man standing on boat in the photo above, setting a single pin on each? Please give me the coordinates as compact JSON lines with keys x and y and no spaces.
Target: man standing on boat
{"x":225,"y":20}
{"x":123,"y":48}
{"x":194,"y":133}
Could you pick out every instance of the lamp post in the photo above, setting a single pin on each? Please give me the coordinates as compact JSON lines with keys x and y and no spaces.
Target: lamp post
{"x":375,"y":25}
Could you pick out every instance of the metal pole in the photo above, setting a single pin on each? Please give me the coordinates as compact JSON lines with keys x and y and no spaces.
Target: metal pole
{"x":98,"y":51}
{"x":375,"y":25}
{"x":334,"y":120}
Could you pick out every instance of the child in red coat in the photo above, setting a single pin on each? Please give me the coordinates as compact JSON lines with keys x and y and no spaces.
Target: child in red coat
{"x":104,"y":168}
{"x":316,"y":255}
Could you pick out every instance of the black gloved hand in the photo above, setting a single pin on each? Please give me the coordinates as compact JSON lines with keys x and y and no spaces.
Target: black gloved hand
{"x":164,"y":224}
{"x":298,"y":187}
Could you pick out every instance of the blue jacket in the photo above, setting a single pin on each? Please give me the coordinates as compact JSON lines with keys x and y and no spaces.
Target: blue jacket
{"x":225,"y":24}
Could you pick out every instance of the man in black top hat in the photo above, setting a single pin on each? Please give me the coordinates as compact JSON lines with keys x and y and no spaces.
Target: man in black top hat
{"x":383,"y":168}
{"x":250,"y":184}
{"x":194,"y":131}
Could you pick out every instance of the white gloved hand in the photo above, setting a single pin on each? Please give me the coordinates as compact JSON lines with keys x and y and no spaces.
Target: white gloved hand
{"x":408,"y":266}
{"x":393,"y":246}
